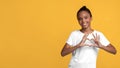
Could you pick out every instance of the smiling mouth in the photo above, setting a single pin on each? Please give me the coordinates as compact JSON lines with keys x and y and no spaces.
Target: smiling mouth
{"x":84,"y":24}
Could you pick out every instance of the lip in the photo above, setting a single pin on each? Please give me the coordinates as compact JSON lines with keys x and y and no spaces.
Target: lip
{"x":84,"y":24}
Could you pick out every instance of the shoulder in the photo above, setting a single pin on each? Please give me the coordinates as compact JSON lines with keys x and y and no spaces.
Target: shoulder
{"x":98,"y":32}
{"x":75,"y":32}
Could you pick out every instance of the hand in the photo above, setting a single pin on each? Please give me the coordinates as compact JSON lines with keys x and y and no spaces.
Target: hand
{"x":83,"y":40}
{"x":97,"y":41}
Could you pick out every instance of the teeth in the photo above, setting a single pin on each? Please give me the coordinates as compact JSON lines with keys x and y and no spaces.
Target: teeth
{"x":84,"y":24}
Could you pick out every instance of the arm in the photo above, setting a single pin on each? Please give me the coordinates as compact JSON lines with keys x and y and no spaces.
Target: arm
{"x":110,"y":48}
{"x":67,"y":49}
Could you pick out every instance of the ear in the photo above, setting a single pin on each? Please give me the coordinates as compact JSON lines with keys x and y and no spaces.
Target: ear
{"x":90,"y":18}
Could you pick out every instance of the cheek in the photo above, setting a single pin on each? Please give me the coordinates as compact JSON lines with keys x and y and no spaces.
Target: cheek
{"x":88,"y":20}
{"x":80,"y":22}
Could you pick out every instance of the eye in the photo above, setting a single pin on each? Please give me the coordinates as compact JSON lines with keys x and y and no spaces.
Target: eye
{"x":79,"y":19}
{"x":85,"y":17}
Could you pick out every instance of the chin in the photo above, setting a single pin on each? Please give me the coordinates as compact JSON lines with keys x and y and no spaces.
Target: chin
{"x":84,"y":27}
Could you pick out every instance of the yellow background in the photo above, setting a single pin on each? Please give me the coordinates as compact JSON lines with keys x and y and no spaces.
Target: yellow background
{"x":33,"y":32}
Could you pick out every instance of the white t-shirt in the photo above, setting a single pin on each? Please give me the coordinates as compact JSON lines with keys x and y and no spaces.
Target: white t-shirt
{"x":84,"y":57}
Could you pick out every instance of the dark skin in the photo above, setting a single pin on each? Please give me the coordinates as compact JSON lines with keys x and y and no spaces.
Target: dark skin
{"x":84,"y":20}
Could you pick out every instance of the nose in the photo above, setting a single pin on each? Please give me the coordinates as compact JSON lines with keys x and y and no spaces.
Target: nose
{"x":83,"y":20}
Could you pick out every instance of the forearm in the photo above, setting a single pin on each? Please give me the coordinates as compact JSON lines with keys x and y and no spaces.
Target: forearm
{"x":109,"y":49}
{"x":69,"y":50}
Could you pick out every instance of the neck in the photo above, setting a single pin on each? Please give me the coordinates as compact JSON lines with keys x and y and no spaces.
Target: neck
{"x":86,"y":30}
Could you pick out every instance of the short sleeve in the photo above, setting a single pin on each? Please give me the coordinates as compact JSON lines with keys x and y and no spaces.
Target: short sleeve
{"x":70,"y":39}
{"x":104,"y":41}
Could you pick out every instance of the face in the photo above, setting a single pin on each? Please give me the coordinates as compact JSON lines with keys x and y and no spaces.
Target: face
{"x":84,"y":19}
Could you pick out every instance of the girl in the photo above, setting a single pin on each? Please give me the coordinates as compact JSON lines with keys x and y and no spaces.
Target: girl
{"x":85,"y":43}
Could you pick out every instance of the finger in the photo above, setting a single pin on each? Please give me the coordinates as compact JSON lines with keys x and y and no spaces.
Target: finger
{"x":93,"y":40}
{"x":90,"y":45}
{"x":85,"y":36}
{"x":88,"y":39}
{"x":85,"y":44}
{"x":94,"y":45}
{"x":93,"y":36}
{"x":98,"y":37}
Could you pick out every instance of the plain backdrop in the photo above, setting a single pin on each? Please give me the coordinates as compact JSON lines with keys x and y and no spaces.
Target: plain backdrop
{"x":33,"y":32}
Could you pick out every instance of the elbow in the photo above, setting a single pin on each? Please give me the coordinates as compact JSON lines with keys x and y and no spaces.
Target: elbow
{"x":62,"y":54}
{"x":114,"y":52}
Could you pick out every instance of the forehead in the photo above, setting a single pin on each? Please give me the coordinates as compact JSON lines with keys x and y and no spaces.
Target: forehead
{"x":84,"y":13}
